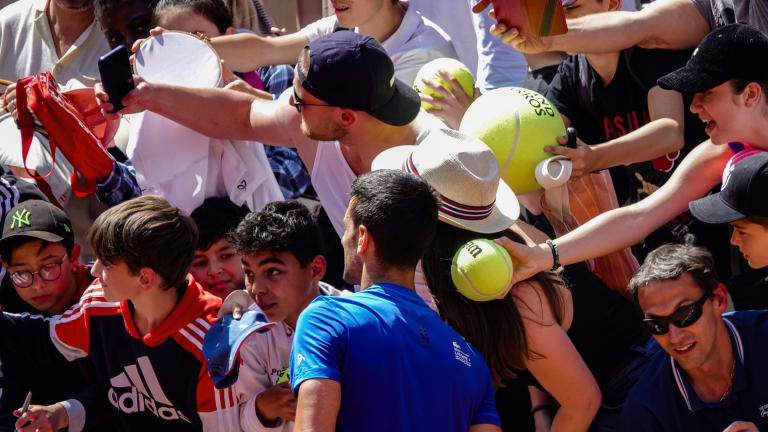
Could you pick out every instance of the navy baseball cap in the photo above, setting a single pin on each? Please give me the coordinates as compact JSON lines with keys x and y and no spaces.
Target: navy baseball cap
{"x":350,"y":70}
{"x":742,"y":194}
{"x":734,"y":51}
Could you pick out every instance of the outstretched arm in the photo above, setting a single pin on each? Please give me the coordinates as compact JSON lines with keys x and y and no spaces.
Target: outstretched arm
{"x":319,"y":403}
{"x":668,"y":24}
{"x":246,"y":51}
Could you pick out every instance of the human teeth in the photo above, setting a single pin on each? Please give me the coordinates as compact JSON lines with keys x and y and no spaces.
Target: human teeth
{"x":684,"y":348}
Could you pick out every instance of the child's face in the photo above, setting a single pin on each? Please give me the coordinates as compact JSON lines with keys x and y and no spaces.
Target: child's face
{"x":117,"y":280}
{"x":724,"y":116}
{"x":751,"y":238}
{"x":126,"y":23}
{"x":188,"y":21}
{"x":50,"y":296}
{"x":217,"y":269}
{"x":280,"y":285}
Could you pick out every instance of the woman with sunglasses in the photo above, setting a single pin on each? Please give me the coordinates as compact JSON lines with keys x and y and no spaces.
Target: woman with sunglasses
{"x":574,"y":341}
{"x":712,"y":376}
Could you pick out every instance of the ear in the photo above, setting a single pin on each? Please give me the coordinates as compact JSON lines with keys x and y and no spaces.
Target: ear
{"x":364,"y":240}
{"x":613,"y":5}
{"x":229,"y":31}
{"x":752,"y":94}
{"x":348,"y":118}
{"x":147,"y":278}
{"x":74,"y":256}
{"x":720,"y":298}
{"x":318,"y":265}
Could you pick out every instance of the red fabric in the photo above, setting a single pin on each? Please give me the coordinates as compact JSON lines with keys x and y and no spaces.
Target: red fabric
{"x":67,"y":129}
{"x":73,"y":326}
{"x":530,"y":16}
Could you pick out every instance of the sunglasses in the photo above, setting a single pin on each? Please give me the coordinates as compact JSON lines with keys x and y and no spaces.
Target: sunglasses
{"x":682,"y":317}
{"x":298,"y":103}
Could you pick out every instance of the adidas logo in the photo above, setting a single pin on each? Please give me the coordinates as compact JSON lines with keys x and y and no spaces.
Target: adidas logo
{"x":145,"y":393}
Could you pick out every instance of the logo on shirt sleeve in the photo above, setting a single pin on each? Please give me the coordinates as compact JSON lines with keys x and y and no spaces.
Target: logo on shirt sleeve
{"x":764,"y":411}
{"x":461,"y":355}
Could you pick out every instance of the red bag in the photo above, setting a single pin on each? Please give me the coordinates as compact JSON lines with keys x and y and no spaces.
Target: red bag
{"x":67,"y":128}
{"x":530,"y":17}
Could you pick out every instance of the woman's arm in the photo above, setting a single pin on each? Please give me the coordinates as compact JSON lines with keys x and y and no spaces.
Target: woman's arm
{"x":558,"y":367}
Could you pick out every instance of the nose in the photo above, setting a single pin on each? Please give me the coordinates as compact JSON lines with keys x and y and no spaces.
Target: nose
{"x":214,"y":269}
{"x":735,"y":238}
{"x":675,"y":334}
{"x":696,"y":103}
{"x":96,"y":269}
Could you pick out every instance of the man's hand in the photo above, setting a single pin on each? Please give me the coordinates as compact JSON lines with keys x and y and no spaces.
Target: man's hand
{"x":9,"y":101}
{"x":741,"y":426}
{"x":583,"y":156}
{"x":452,"y":105}
{"x":276,"y":403}
{"x":512,"y":37}
{"x":50,"y":418}
{"x":137,"y":100}
{"x":528,"y":260}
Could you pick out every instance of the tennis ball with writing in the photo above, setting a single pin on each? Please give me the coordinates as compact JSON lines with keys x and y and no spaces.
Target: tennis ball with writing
{"x":430,"y":71}
{"x":517,"y":124}
{"x":481,"y":270}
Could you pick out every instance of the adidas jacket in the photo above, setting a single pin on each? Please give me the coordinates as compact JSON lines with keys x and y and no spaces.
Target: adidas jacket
{"x":156,"y":382}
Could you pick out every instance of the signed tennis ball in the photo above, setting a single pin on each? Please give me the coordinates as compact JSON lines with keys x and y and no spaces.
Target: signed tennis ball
{"x":481,"y":270}
{"x":516,"y":124}
{"x":430,"y":71}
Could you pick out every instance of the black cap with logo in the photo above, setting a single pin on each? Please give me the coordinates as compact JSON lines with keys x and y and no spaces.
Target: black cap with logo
{"x":37,"y":219}
{"x":350,"y":70}
{"x":742,"y":195}
{"x":734,"y":51}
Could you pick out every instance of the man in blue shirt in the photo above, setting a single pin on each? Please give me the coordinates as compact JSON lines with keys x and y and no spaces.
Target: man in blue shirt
{"x":381,"y":359}
{"x":712,"y":376}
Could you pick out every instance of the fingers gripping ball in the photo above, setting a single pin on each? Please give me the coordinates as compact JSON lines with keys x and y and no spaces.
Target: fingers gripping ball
{"x":481,"y":270}
{"x":516,"y":124}
{"x":430,"y":71}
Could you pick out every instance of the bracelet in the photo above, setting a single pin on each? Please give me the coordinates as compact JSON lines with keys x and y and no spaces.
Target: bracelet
{"x":555,"y":255}
{"x":544,"y":406}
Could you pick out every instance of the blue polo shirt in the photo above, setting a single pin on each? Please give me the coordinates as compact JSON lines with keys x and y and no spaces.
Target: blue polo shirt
{"x":663,"y":399}
{"x":400,"y":367}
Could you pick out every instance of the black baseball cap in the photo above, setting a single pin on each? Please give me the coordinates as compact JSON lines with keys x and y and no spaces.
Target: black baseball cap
{"x":742,"y":195}
{"x":734,"y":51}
{"x":37,"y":219}
{"x":350,"y":70}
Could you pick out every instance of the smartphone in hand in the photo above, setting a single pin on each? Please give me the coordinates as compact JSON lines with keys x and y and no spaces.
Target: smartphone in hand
{"x":116,"y":76}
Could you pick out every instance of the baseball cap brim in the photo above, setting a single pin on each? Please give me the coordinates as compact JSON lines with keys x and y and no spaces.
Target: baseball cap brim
{"x":401,"y":108}
{"x":689,"y":79}
{"x":40,"y":235}
{"x":505,"y":210}
{"x":713,"y":210}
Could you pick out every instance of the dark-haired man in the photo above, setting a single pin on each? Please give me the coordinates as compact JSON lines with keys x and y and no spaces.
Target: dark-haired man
{"x":385,"y":337}
{"x":712,"y":376}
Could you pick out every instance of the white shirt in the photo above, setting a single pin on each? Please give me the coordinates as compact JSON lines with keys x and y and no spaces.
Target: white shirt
{"x":455,"y":18}
{"x":416,"y":42}
{"x":498,"y":65}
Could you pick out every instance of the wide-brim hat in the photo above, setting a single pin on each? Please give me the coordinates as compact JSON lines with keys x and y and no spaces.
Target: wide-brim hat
{"x":465,"y":174}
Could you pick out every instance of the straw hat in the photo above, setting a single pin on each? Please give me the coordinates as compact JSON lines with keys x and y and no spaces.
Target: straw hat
{"x":465,"y":174}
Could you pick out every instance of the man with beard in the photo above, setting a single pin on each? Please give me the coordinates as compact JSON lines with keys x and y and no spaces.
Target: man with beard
{"x":345,"y":107}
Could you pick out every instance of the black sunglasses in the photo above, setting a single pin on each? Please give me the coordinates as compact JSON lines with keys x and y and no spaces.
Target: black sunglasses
{"x":682,"y":317}
{"x":298,"y":103}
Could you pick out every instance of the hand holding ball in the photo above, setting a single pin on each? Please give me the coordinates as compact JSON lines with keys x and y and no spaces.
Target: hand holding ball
{"x":481,"y":270}
{"x":430,"y":71}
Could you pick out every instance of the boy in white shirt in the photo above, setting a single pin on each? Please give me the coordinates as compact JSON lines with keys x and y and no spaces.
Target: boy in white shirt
{"x":282,"y":257}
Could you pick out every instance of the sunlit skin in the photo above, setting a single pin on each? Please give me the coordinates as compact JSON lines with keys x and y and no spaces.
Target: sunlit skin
{"x":317,"y":122}
{"x":51,"y":297}
{"x":124,"y":24}
{"x":358,"y":13}
{"x":353,"y":265}
{"x":726,"y":115}
{"x":751,"y":238}
{"x":217,"y":269}
{"x":189,"y":21}
{"x":117,"y":280}
{"x":75,"y":5}
{"x":703,"y":349}
{"x":280,"y":285}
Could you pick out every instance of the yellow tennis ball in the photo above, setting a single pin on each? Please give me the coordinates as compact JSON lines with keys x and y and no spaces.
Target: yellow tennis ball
{"x":517,"y":124}
{"x":430,"y":71}
{"x":481,"y":270}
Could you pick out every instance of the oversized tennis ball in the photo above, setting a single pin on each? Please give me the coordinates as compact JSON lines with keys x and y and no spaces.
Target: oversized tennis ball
{"x":430,"y":71}
{"x":516,"y":124}
{"x":481,"y":270}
